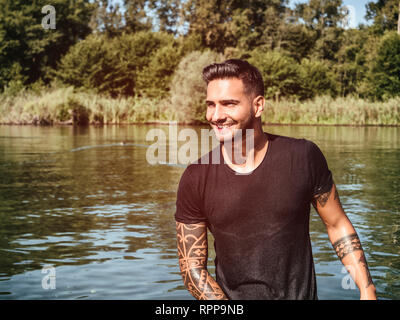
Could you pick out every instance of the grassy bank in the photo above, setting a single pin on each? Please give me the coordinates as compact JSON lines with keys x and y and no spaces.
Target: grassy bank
{"x":339,"y":111}
{"x":65,"y":106}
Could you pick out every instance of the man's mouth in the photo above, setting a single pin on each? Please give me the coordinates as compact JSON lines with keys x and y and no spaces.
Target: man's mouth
{"x":222,"y":126}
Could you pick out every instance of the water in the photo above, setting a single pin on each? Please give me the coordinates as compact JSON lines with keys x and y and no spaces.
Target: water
{"x":95,"y":210}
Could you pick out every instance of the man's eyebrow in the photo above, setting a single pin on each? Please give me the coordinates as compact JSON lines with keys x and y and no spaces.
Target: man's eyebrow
{"x":228,"y":101}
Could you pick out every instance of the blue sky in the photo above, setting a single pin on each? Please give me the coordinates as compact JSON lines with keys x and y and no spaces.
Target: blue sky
{"x":357,"y":7}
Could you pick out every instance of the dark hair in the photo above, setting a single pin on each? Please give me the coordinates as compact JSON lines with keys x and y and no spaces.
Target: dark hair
{"x":236,"y":68}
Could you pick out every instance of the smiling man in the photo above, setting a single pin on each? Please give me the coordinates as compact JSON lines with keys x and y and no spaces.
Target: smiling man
{"x":258,"y":209}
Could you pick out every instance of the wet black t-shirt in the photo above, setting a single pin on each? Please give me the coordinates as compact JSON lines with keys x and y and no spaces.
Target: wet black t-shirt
{"x":260,"y":221}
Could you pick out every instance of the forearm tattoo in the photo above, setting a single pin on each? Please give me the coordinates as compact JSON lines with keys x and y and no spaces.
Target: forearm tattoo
{"x":193,"y":254}
{"x":349,"y":244}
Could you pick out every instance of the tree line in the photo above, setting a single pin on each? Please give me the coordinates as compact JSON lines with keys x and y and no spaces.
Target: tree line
{"x":143,"y":48}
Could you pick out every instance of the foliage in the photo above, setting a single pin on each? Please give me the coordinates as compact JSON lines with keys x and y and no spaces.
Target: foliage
{"x":234,"y":23}
{"x":316,"y":79}
{"x":328,"y":111}
{"x":154,"y":50}
{"x":188,"y":92}
{"x":131,"y":64}
{"x":385,"y":75}
{"x":69,"y":107}
{"x":281,"y":74}
{"x":385,"y":15}
{"x":29,"y":52}
{"x":66,"y":106}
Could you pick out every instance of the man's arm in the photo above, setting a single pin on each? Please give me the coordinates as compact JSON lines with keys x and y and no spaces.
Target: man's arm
{"x":345,"y":240}
{"x":193,"y":254}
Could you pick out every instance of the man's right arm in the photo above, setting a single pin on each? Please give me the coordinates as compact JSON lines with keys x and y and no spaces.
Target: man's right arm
{"x":193,"y":254}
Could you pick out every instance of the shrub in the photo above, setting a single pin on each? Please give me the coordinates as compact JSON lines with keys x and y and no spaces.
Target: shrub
{"x":281,"y":74}
{"x":155,"y":79}
{"x":188,"y":90}
{"x":316,"y":79}
{"x":131,"y":64}
{"x":385,"y":74}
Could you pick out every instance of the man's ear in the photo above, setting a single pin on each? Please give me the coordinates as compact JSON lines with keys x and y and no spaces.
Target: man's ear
{"x":258,"y":105}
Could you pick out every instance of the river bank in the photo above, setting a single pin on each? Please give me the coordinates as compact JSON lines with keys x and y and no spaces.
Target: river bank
{"x":65,"y":106}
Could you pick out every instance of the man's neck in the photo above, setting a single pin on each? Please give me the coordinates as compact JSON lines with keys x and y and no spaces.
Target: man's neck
{"x":246,"y":155}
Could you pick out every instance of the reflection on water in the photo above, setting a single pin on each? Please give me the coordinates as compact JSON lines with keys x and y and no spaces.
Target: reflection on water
{"x":95,"y":209}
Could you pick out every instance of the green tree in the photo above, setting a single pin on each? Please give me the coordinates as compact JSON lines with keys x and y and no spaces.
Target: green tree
{"x":188,"y":91}
{"x":135,"y":16}
{"x":29,"y":52}
{"x":87,"y":63}
{"x":324,"y":17}
{"x":232,"y":23}
{"x":107,"y":18}
{"x":321,"y":14}
{"x":155,"y":79}
{"x":280,"y":72}
{"x":351,"y":66}
{"x":385,"y":15}
{"x":385,"y":74}
{"x":297,"y":40}
{"x":317,"y":79}
{"x":169,"y":15}
{"x":132,"y":64}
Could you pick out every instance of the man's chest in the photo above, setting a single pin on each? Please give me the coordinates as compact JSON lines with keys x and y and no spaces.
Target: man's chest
{"x":269,"y":198}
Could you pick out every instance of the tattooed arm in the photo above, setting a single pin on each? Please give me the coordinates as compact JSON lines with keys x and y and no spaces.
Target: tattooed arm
{"x":193,"y":254}
{"x":345,"y":241}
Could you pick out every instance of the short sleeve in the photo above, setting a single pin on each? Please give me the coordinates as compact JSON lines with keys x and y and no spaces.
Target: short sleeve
{"x":188,"y":202}
{"x":320,"y":175}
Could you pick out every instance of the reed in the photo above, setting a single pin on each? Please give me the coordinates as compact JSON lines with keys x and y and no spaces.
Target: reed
{"x":67,"y":106}
{"x":328,"y":111}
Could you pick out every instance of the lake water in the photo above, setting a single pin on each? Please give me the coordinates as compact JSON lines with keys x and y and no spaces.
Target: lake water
{"x":100,"y":216}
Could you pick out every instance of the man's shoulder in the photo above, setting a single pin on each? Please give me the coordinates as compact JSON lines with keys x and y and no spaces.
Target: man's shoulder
{"x":300,"y":150}
{"x":289,"y":142}
{"x":201,"y":166}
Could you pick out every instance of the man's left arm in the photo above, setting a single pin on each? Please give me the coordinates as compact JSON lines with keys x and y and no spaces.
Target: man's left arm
{"x":345,"y":241}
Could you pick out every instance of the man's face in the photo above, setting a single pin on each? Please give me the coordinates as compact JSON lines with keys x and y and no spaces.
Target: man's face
{"x":228,"y":107}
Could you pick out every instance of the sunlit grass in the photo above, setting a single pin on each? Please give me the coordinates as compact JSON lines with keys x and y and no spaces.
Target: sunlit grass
{"x":329,"y":111}
{"x":58,"y":106}
{"x":67,"y":106}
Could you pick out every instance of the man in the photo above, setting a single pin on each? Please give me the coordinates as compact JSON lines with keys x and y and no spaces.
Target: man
{"x":257,"y":209}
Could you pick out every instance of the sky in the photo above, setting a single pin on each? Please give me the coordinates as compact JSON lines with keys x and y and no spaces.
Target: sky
{"x":356,"y":7}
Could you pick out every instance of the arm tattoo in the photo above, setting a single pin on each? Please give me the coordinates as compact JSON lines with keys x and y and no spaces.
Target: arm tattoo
{"x":364,"y":264}
{"x":321,"y":198}
{"x":349,"y":244}
{"x":193,"y":254}
{"x":336,"y":197}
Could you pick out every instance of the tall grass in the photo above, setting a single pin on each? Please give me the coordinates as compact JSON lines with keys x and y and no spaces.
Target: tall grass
{"x":66,"y":106}
{"x":328,"y":111}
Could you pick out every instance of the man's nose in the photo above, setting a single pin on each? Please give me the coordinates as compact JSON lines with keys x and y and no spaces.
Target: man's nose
{"x":218,"y":114}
